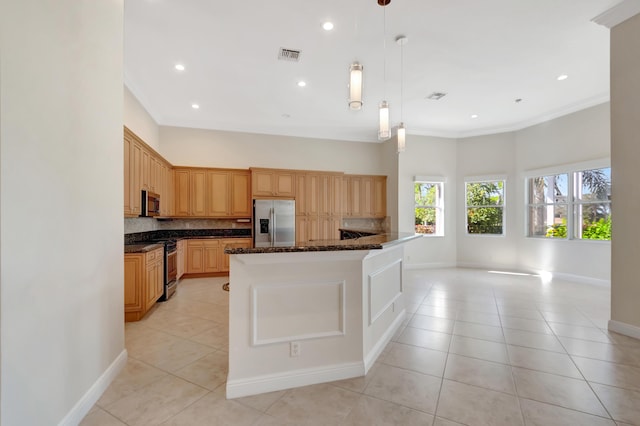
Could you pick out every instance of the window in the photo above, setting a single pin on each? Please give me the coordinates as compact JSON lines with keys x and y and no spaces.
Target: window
{"x":573,"y":205}
{"x":429,"y":215}
{"x":485,"y":207}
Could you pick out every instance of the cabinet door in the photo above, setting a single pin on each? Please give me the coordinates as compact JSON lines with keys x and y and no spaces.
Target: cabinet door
{"x":198,"y":193}
{"x":262,"y":183}
{"x":380,"y":196}
{"x":211,"y":256}
{"x":151,"y":283}
{"x":146,"y":170}
{"x":344,"y":199}
{"x":218,"y":184}
{"x":159,"y":276}
{"x":285,"y":184}
{"x":302,"y":229}
{"x":366,"y":197}
{"x":324,"y":194}
{"x":301,"y":195}
{"x":313,"y":186}
{"x":195,"y":257}
{"x":127,"y":175}
{"x":313,"y":228}
{"x":132,"y":283}
{"x":336,"y":195}
{"x":180,"y":259}
{"x":355,"y":196}
{"x":241,"y":194}
{"x":136,"y":178}
{"x":182,"y":197}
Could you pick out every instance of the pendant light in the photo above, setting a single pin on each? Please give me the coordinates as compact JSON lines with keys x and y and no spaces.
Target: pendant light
{"x":384,"y":131}
{"x":401,"y":40}
{"x":355,"y":86}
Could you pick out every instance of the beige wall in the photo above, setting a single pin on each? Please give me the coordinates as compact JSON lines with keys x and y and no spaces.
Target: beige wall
{"x":625,"y":156}
{"x":61,"y":192}
{"x":214,"y":148}
{"x":139,"y":121}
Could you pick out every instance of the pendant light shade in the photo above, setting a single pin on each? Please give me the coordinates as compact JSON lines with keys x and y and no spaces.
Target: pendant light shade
{"x":401,"y":137}
{"x":355,"y":86}
{"x":384,"y":132}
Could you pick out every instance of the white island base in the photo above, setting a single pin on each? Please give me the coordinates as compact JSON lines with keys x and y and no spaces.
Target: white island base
{"x":301,"y":318}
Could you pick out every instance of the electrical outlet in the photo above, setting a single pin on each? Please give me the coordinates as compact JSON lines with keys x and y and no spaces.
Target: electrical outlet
{"x":294,"y":349}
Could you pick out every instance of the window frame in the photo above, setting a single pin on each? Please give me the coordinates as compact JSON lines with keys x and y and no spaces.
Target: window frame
{"x":440,"y":210}
{"x":483,"y":179}
{"x":572,"y":203}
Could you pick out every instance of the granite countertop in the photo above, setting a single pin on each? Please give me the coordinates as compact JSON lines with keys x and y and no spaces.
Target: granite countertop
{"x":141,"y":248}
{"x":372,"y":242}
{"x":368,"y":231}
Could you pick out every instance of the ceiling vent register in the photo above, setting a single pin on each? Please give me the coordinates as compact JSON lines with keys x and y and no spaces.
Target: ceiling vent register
{"x":289,"y":55}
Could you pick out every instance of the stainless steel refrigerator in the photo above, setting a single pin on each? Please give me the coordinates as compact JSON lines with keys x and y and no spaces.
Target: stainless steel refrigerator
{"x":274,"y":223}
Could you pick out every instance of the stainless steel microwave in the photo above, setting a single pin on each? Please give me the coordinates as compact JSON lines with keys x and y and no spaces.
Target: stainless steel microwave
{"x":150,"y":205}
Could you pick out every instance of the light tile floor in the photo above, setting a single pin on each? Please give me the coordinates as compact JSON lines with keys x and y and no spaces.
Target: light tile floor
{"x":476,"y":349}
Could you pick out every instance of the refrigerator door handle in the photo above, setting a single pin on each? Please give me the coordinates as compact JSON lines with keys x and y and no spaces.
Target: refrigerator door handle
{"x":272,"y":230}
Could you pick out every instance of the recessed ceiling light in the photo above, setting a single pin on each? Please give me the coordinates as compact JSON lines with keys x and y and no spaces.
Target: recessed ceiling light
{"x":286,"y":116}
{"x":562,"y":77}
{"x":328,"y":26}
{"x":179,"y":67}
{"x":195,"y":106}
{"x":302,"y":83}
{"x":474,"y":116}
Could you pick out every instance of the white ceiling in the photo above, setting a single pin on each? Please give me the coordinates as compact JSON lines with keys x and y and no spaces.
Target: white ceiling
{"x":483,"y":53}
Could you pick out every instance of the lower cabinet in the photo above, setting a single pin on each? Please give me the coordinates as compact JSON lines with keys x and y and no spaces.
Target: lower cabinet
{"x":143,"y":282}
{"x":206,"y":256}
{"x":236,"y":242}
{"x":180,"y":259}
{"x":202,"y":256}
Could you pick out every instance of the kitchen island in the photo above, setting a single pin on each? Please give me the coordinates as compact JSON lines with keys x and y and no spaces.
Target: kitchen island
{"x":316,"y":312}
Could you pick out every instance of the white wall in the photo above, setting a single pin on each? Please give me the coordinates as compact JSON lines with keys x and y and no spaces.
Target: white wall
{"x":575,"y":138}
{"x":214,"y":148}
{"x":625,"y":149}
{"x":487,"y":156}
{"x":61,"y":206}
{"x":139,"y":121}
{"x":428,"y":156}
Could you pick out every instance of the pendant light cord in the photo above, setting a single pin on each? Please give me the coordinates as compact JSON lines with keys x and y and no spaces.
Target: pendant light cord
{"x":401,"y":80}
{"x":384,"y":49}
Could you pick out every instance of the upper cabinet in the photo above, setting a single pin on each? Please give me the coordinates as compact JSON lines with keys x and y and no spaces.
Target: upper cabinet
{"x":364,"y":196}
{"x":273,"y":183}
{"x":213,"y":193}
{"x":144,"y":169}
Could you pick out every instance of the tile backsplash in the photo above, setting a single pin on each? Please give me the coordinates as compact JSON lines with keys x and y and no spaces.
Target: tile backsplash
{"x":146,"y":224}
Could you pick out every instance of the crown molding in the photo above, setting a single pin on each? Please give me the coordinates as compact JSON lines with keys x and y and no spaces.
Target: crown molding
{"x":618,"y":13}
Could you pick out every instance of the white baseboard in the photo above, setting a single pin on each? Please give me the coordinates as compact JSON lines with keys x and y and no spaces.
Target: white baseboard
{"x":377,"y":349}
{"x":293,"y":379}
{"x":624,"y":328}
{"x":84,"y":405}
{"x":429,"y":265}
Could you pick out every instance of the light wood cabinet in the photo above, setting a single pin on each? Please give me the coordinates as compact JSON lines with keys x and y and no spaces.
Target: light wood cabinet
{"x":365,"y":196}
{"x":143,"y":282}
{"x":318,"y":205}
{"x":237,"y":242}
{"x":198,"y":193}
{"x":145,"y":169}
{"x":203,"y":256}
{"x":273,"y":183}
{"x":180,"y":258}
{"x":215,"y":193}
{"x":241,"y":194}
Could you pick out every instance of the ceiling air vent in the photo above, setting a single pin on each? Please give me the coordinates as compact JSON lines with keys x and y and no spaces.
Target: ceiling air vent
{"x":289,"y":55}
{"x":436,"y":96}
